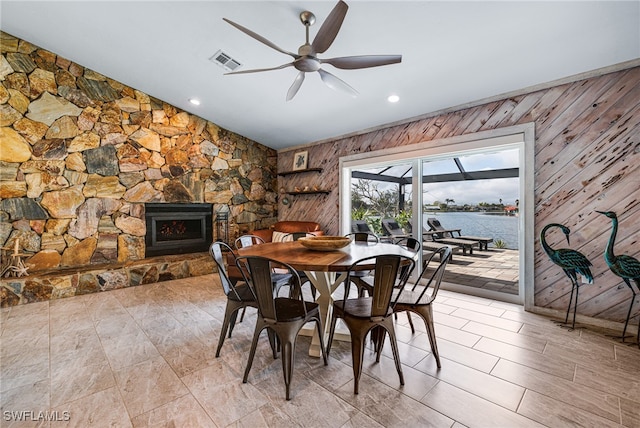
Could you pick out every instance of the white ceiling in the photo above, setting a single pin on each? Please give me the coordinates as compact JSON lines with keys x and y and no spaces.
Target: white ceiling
{"x":454,"y":53}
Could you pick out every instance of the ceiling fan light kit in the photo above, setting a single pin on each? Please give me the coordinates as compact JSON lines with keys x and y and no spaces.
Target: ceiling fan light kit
{"x":306,"y":60}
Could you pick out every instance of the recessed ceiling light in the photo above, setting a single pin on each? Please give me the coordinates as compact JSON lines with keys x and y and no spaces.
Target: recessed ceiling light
{"x":393,"y":98}
{"x":194,"y":101}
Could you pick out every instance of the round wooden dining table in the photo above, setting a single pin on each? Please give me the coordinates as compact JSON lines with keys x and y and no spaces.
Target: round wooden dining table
{"x":326,"y":271}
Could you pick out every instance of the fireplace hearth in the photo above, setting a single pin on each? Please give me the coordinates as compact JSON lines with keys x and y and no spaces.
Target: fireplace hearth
{"x":178,"y":228}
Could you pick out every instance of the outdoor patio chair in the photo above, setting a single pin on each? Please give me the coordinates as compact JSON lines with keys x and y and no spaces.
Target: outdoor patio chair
{"x":420,"y":298}
{"x":364,"y":314}
{"x":444,"y":237}
{"x":434,"y":224}
{"x":393,"y":229}
{"x":282,"y":316}
{"x":360,"y":226}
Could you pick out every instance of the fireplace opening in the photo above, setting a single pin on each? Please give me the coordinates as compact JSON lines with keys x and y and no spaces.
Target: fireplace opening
{"x":178,"y":228}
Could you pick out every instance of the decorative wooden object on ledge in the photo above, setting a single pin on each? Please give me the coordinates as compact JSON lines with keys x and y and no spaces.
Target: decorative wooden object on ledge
{"x":282,"y":174}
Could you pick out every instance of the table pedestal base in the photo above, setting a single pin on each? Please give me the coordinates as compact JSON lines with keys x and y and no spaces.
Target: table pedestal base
{"x":326,"y":283}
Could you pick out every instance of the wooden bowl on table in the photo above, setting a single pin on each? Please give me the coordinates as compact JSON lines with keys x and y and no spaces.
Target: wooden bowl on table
{"x":324,"y":243}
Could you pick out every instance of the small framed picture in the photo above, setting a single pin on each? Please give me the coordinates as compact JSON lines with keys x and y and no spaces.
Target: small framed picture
{"x":300,"y":160}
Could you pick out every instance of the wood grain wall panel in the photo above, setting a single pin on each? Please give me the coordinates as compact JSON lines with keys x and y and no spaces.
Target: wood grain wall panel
{"x":568,"y":163}
{"x":593,"y":120}
{"x":505,"y":109}
{"x":523,"y":106}
{"x":587,"y":149}
{"x":570,"y":114}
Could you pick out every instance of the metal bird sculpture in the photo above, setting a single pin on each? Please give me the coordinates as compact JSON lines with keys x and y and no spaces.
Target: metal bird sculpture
{"x":626,"y":267}
{"x":572,"y":263}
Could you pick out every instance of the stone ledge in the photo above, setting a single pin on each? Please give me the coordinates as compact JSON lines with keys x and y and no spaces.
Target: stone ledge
{"x":58,"y":283}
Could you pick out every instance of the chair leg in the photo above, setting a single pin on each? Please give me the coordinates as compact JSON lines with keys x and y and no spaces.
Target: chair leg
{"x":256,"y":334}
{"x":388,"y":326}
{"x":229,"y":317}
{"x":288,"y":353}
{"x":378,"y":334}
{"x":357,"y":353}
{"x":426,"y":313}
{"x":232,"y":322}
{"x":413,"y":330}
{"x":314,"y":292}
{"x":242,"y":315}
{"x":223,"y":333}
{"x":332,"y":329}
{"x":320,"y":336}
{"x":274,"y":343}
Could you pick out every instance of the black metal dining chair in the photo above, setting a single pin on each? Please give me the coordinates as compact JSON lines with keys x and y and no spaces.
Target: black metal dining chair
{"x":239,"y":295}
{"x":247,"y":240}
{"x":283,"y":316}
{"x":420,"y":297}
{"x":294,"y":236}
{"x":363,"y":315}
{"x":415,"y":246}
{"x":358,"y":277}
{"x":363,"y":237}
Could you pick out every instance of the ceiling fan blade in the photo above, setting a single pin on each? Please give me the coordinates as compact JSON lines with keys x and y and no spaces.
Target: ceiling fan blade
{"x":362,"y":61}
{"x":293,"y":90}
{"x":259,"y":38}
{"x":335,"y":83}
{"x":257,"y":70}
{"x":330,"y":27}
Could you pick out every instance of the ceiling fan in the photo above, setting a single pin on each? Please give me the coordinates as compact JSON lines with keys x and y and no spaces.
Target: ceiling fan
{"x":306,"y":60}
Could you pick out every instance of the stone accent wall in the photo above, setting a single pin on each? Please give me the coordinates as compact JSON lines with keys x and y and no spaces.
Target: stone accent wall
{"x":80,"y":154}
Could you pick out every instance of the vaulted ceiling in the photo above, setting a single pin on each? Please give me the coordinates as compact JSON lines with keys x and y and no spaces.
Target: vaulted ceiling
{"x":453,"y":53}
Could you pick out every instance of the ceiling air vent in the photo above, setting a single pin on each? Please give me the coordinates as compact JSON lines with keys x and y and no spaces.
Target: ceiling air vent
{"x":225,"y":61}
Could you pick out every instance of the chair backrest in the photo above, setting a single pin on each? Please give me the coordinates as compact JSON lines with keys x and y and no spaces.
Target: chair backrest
{"x":247,"y":241}
{"x":360,"y":226}
{"x":433,"y":280}
{"x":434,"y":224}
{"x":391,"y":227}
{"x":363,"y":237}
{"x":414,"y":245}
{"x":410,"y":243}
{"x":384,"y":280}
{"x":217,"y":251}
{"x":260,"y":270}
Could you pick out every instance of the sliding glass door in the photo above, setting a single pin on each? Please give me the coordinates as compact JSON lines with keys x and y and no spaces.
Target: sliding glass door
{"x":469,"y":196}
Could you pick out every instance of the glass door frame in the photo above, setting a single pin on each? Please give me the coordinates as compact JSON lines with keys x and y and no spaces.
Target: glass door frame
{"x":521,"y":137}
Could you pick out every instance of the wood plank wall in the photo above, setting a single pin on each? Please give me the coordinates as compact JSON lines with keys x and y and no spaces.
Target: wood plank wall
{"x":587,"y":158}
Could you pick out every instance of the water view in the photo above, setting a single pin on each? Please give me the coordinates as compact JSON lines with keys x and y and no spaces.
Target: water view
{"x":479,"y":224}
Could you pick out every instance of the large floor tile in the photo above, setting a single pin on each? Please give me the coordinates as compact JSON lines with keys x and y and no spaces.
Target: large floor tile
{"x":145,"y":356}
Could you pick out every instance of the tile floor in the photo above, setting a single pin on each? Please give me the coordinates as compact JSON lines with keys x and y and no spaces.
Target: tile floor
{"x":495,"y":269}
{"x":144,"y":356}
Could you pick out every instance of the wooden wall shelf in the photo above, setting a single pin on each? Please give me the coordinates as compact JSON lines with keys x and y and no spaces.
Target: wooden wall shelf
{"x":300,"y":171}
{"x":309,"y":192}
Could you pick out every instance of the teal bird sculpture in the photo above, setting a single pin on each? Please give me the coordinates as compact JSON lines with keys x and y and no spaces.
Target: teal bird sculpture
{"x":626,"y":267}
{"x":572,"y":263}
